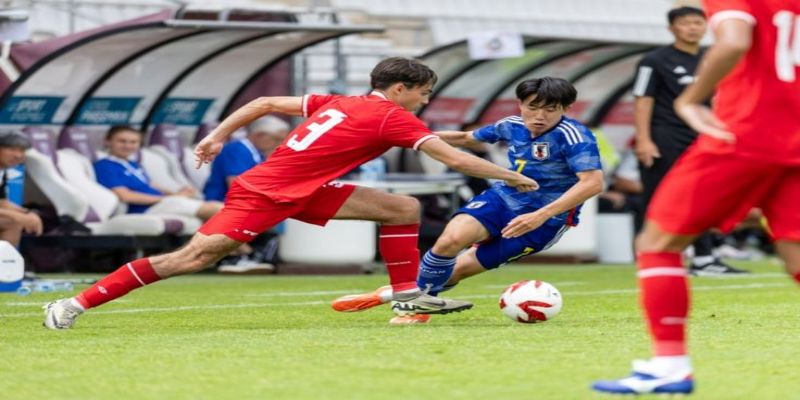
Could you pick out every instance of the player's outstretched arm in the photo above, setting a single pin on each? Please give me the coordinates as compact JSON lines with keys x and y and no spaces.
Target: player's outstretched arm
{"x":733,"y":39}
{"x":475,"y":166}
{"x":461,"y":139}
{"x":211,"y":145}
{"x":590,"y":183}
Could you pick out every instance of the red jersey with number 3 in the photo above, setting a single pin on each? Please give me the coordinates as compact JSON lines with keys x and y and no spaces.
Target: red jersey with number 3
{"x":341,"y":133}
{"x":760,"y":99}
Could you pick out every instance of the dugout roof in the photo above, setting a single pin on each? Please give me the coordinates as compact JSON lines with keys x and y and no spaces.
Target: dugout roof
{"x":184,"y":72}
{"x":471,"y":92}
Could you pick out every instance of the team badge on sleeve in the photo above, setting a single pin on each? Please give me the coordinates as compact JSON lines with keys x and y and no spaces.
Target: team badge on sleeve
{"x":476,"y":204}
{"x":541,"y":151}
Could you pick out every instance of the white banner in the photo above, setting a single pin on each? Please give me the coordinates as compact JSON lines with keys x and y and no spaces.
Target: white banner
{"x":491,"y":45}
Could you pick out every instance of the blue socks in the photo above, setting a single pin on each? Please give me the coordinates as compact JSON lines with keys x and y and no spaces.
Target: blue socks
{"x":434,"y":271}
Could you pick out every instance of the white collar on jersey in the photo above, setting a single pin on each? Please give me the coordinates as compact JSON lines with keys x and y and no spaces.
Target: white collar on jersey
{"x":379,"y":94}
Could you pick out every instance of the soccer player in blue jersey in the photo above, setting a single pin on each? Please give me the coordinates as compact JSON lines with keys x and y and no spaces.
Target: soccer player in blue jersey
{"x":558,"y":152}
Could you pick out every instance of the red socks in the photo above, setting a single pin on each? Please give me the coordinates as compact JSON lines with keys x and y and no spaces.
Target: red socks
{"x":132,"y":275}
{"x":796,"y":277}
{"x":665,"y":300}
{"x":398,"y":247}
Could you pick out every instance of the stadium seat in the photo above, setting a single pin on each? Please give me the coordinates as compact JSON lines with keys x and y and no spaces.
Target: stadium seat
{"x":157,"y":168}
{"x":165,"y":140}
{"x":98,"y":205}
{"x":41,"y":168}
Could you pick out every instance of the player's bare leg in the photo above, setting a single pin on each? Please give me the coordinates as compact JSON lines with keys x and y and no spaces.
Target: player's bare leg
{"x":200,"y":252}
{"x":438,"y":263}
{"x":790,"y":253}
{"x":399,"y":217}
{"x":664,"y":295}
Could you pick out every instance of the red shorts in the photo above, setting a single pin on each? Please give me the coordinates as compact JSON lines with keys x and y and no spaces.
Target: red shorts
{"x":246,"y":214}
{"x":706,"y":189}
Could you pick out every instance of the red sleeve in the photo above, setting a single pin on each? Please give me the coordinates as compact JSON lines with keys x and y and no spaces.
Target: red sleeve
{"x":312,"y":102}
{"x":403,"y":129}
{"x":718,"y":10}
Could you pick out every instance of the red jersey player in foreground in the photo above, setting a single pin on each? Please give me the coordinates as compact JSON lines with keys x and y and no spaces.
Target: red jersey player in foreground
{"x":749,"y":151}
{"x":341,"y":132}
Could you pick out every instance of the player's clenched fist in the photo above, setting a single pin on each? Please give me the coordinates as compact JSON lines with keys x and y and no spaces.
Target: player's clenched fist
{"x":523,"y":183}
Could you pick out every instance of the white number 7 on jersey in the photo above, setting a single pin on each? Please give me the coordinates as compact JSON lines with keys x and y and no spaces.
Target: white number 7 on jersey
{"x":787,"y":51}
{"x":315,"y":130}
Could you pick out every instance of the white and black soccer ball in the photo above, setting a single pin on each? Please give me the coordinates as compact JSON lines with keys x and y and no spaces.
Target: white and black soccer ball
{"x":531,"y":301}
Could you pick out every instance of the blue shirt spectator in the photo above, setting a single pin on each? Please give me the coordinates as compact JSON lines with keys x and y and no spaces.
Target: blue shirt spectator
{"x":113,"y":172}
{"x":236,"y":157}
{"x":132,"y":186}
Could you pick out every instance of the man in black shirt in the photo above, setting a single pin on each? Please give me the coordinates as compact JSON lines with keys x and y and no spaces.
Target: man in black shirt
{"x":661,"y":136}
{"x":14,"y":219}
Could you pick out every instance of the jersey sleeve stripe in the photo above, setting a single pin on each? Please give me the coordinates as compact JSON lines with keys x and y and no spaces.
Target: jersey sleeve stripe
{"x":511,"y":119}
{"x":731,"y":14}
{"x":567,"y":135}
{"x":642,"y":80}
{"x":423,"y":140}
{"x":572,"y":133}
{"x":575,"y":131}
{"x":305,"y":106}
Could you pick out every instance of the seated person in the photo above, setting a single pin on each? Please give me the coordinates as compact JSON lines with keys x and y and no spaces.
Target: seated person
{"x":132,"y":185}
{"x":14,"y":220}
{"x":237,"y":156}
{"x":625,"y":189}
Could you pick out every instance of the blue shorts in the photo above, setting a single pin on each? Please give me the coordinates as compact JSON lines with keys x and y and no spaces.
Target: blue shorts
{"x":490,"y":210}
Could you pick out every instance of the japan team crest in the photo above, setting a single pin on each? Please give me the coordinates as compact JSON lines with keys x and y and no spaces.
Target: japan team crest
{"x":541,"y":151}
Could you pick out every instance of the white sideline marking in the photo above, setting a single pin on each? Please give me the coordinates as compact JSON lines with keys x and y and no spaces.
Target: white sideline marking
{"x":630,"y":291}
{"x":315,"y":303}
{"x":318,"y":293}
{"x":182,"y":308}
{"x":560,"y":284}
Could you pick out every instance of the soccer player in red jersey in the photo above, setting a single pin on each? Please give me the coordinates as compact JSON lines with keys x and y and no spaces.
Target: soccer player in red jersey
{"x":747,"y":156}
{"x":297,"y":181}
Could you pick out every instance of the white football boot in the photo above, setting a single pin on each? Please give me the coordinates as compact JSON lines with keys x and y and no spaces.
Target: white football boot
{"x":61,"y":314}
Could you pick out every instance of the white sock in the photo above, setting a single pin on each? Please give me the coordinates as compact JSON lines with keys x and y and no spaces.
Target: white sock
{"x":386,"y":295}
{"x":667,"y":365}
{"x":75,"y":304}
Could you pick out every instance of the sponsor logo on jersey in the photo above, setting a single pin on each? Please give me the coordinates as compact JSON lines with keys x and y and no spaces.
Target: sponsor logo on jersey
{"x":476,"y":204}
{"x":679,"y":70}
{"x":541,"y":151}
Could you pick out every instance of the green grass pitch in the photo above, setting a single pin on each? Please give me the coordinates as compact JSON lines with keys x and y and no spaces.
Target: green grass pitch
{"x":275,"y":337}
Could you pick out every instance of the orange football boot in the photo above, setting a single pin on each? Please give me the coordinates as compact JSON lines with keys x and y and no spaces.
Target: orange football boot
{"x":361,"y":302}
{"x":410,"y":319}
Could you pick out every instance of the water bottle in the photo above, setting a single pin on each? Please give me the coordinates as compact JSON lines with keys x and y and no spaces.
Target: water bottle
{"x":44,"y":286}
{"x":12,"y":267}
{"x":373,"y":170}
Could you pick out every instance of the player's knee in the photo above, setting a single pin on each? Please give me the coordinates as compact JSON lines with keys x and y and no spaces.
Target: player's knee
{"x":449,"y":245}
{"x":649,"y":241}
{"x":406,"y":210}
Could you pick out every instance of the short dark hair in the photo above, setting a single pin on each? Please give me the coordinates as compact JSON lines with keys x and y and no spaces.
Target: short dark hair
{"x":121,"y":128}
{"x":410,"y":73}
{"x":548,"y":90}
{"x":676,"y":13}
{"x":14,"y":139}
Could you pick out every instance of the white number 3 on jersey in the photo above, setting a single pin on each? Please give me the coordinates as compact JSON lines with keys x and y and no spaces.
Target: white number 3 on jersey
{"x":315,"y":129}
{"x":787,"y":52}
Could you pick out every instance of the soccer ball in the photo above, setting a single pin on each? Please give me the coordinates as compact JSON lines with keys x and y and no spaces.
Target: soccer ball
{"x":531,"y":301}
